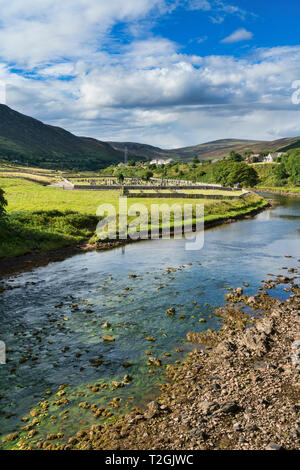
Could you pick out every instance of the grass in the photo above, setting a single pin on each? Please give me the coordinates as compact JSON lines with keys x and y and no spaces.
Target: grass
{"x":269,"y":181}
{"x":24,"y":232}
{"x":283,"y":189}
{"x":44,"y":218}
{"x":35,"y":176}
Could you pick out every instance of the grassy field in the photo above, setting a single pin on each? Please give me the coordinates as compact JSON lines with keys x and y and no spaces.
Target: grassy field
{"x":44,"y":218}
{"x":40,"y":177}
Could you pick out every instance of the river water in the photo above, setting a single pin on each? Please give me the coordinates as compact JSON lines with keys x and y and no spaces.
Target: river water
{"x":52,"y":320}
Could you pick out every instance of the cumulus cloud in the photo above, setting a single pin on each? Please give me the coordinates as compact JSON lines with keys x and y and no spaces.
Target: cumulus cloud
{"x":237,"y":36}
{"x":152,"y":93}
{"x":146,"y":89}
{"x":35,"y":32}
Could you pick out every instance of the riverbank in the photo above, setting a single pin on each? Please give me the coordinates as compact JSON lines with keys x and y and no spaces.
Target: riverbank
{"x":241,"y":391}
{"x":283,"y":192}
{"x":99,"y":295}
{"x":29,"y":261}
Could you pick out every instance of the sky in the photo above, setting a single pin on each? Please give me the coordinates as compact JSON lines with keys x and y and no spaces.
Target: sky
{"x":169,"y":73}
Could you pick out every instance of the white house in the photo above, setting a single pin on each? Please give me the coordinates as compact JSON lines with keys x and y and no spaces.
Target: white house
{"x":272,"y":157}
{"x":160,"y":161}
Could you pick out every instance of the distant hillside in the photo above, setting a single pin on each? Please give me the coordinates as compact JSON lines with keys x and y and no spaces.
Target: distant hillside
{"x":210,"y":150}
{"x":215,"y":150}
{"x":142,"y":150}
{"x":29,"y":141}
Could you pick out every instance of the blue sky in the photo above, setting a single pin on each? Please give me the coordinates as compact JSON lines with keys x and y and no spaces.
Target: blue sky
{"x":165,"y":72}
{"x":272,"y":22}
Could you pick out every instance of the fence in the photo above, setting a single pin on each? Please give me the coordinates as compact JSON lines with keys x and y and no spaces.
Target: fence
{"x":184,"y":195}
{"x":142,"y":187}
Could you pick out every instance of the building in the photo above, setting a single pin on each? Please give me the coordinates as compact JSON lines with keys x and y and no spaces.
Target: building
{"x":272,"y":157}
{"x":254,"y":158}
{"x":160,"y":161}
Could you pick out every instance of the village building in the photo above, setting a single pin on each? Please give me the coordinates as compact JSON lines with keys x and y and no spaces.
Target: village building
{"x":271,"y":158}
{"x":160,"y":161}
{"x":254,"y":158}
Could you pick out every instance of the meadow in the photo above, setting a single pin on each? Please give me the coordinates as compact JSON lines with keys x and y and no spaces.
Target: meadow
{"x":43,"y":218}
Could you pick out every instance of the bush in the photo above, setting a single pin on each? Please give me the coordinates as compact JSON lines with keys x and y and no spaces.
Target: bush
{"x":3,"y":203}
{"x":292,"y":165}
{"x":230,"y":173}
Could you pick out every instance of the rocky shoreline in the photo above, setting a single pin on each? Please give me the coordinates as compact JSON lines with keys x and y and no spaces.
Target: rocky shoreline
{"x":240,"y":390}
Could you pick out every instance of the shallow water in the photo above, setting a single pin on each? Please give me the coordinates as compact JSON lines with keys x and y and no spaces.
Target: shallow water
{"x":50,"y":343}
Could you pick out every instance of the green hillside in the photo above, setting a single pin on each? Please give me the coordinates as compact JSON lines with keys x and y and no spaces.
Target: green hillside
{"x":142,"y":150}
{"x":28,"y":141}
{"x":204,"y":151}
{"x":215,"y":150}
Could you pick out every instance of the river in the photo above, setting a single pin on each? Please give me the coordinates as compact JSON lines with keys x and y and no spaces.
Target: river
{"x":52,"y":320}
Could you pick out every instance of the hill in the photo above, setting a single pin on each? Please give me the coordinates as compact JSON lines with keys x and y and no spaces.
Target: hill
{"x":28,"y":141}
{"x":215,"y":150}
{"x":204,"y":151}
{"x":142,"y":150}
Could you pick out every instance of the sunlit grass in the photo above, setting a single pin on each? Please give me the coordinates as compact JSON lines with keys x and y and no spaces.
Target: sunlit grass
{"x":27,"y":231}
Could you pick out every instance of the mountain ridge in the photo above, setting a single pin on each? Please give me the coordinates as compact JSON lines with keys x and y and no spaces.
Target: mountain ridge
{"x":26,"y":140}
{"x":30,"y":141}
{"x":216,"y":149}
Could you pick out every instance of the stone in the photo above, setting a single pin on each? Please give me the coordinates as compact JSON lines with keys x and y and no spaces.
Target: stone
{"x":230,"y":408}
{"x":11,"y":437}
{"x":154,"y":361}
{"x":127,"y":364}
{"x":208,"y":407}
{"x":153,"y":410}
{"x":171,"y":311}
{"x":108,"y":338}
{"x":273,"y":446}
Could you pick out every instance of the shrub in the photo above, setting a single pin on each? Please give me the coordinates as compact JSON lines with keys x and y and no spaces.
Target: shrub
{"x":229,"y":173}
{"x":3,"y":203}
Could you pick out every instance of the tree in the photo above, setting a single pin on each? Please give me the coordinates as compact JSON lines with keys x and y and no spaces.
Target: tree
{"x":235,"y":157}
{"x":281,"y":172}
{"x":3,"y":203}
{"x":196,"y":159}
{"x":121,"y":178}
{"x":229,"y":173}
{"x":201,"y":173}
{"x":292,"y":165}
{"x":148,"y":175}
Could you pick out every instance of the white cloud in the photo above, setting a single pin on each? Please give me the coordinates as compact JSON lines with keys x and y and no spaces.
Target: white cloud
{"x":237,"y":36}
{"x":149,"y":92}
{"x":199,"y":5}
{"x":146,"y":90}
{"x":35,"y":32}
